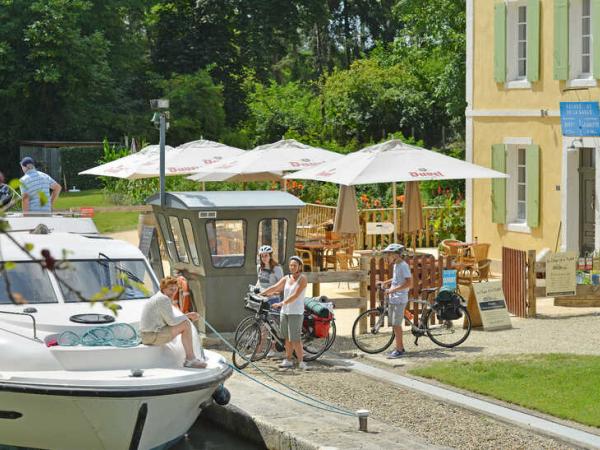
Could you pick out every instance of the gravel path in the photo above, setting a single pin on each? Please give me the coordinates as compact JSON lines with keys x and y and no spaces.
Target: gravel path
{"x":427,"y":418}
{"x":576,"y":335}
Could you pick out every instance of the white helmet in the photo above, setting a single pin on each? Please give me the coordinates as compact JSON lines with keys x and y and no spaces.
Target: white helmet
{"x":265,"y":249}
{"x":395,"y":248}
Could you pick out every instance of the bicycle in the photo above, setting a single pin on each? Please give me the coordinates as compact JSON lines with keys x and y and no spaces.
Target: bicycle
{"x":256,"y":333}
{"x":444,"y":333}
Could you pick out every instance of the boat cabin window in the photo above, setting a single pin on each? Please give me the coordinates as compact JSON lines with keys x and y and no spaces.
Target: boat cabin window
{"x":227,"y":242}
{"x":273,"y":232}
{"x":189,"y":235}
{"x":178,"y":239}
{"x":29,"y":284}
{"x":93,"y":277}
{"x":166,"y":232}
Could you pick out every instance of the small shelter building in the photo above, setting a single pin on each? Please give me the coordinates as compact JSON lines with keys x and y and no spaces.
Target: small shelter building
{"x":213,"y":238}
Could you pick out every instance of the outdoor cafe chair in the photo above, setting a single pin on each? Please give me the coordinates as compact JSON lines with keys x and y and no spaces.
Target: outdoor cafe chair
{"x":307,"y":259}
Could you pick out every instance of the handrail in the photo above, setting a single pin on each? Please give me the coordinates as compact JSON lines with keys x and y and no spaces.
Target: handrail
{"x":24,"y":314}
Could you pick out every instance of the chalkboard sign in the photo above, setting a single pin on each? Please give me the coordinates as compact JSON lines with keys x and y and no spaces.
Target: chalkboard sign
{"x":151,"y":249}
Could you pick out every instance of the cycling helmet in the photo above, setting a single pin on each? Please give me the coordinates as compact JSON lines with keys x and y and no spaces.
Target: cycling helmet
{"x":265,"y":249}
{"x":395,"y":248}
{"x":297,"y":259}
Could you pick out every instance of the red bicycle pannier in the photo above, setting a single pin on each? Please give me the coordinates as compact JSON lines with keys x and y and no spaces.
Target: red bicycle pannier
{"x":321,"y":326}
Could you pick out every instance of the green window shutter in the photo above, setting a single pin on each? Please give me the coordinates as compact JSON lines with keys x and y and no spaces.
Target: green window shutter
{"x":561,"y":39}
{"x":499,"y":184}
{"x":532,"y":165}
{"x":533,"y":40}
{"x":500,"y":42}
{"x":596,"y":38}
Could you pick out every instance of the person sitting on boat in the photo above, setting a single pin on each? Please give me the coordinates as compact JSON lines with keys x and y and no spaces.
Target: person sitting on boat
{"x":159,"y":325}
{"x":292,"y":311}
{"x":269,"y":271}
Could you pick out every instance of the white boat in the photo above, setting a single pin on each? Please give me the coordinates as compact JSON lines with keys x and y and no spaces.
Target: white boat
{"x":82,"y":396}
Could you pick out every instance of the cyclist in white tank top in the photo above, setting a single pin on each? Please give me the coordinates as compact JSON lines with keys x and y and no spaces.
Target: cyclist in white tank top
{"x":292,"y":311}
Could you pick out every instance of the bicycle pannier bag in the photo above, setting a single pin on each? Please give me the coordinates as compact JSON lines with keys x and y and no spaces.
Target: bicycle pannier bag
{"x":316,"y":306}
{"x":321,"y":326}
{"x":447,"y":305}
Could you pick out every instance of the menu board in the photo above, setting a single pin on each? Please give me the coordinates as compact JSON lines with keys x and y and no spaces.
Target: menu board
{"x":491,"y":305}
{"x":561,"y":278}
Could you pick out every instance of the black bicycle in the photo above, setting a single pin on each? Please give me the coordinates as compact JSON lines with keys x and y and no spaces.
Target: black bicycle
{"x":439,"y":320}
{"x":256,"y":334}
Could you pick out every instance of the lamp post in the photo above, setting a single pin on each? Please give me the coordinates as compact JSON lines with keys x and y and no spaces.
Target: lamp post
{"x":159,"y":119}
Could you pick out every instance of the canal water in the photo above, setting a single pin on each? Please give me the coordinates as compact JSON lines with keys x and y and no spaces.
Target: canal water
{"x":205,"y":435}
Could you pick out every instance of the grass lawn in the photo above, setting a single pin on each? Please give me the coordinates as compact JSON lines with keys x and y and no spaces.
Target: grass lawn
{"x":561,"y":385}
{"x":93,"y":198}
{"x":106,"y":222}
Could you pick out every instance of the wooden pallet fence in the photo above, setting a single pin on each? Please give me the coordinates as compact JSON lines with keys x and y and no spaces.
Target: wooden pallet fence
{"x":514,"y":280}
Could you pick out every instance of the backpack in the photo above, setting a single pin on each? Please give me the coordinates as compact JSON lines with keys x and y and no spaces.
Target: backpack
{"x":447,"y":304}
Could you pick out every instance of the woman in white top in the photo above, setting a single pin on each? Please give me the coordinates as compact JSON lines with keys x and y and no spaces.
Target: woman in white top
{"x":292,"y":311}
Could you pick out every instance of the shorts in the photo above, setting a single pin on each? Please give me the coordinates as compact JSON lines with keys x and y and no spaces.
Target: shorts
{"x":291,"y":326}
{"x":396,"y":314}
{"x":159,"y":337}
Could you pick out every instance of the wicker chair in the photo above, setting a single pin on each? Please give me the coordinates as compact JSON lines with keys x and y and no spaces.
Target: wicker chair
{"x":307,"y":259}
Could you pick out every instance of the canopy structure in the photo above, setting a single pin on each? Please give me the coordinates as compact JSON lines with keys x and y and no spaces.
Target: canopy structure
{"x":281,"y":156}
{"x":128,"y":166}
{"x":346,"y":213}
{"x":183,"y":160}
{"x":393,"y":161}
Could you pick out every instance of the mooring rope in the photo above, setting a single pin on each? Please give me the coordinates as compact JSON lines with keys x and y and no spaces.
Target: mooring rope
{"x":326,"y":406}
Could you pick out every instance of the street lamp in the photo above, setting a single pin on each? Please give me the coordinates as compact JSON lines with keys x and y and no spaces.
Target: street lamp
{"x":573,"y":147}
{"x":159,"y":119}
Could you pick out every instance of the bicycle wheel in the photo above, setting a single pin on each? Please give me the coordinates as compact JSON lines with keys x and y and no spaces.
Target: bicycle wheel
{"x":247,"y":345}
{"x":243,"y":324}
{"x":448,"y":333}
{"x":314,"y":346}
{"x":379,"y":333}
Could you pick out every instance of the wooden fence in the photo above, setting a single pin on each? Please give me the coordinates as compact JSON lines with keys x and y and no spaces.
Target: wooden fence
{"x":426,"y":273}
{"x":312,"y":219}
{"x":518,"y":281}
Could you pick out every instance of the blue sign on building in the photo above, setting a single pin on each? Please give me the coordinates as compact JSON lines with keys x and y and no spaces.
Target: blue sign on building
{"x":580,"y":118}
{"x":449,"y":278}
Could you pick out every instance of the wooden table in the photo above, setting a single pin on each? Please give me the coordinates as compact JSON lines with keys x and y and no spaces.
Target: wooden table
{"x":317,"y":248}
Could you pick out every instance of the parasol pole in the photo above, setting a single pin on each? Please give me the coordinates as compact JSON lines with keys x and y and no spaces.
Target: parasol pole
{"x":394,"y":211}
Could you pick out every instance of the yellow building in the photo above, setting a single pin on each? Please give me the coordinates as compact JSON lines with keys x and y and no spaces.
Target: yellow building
{"x":525,"y":57}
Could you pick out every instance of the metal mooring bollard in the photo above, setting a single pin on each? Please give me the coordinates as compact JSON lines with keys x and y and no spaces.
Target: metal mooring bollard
{"x":363,"y":415}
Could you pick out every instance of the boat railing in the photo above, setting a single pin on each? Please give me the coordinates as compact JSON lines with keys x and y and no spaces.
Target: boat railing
{"x":24,"y":314}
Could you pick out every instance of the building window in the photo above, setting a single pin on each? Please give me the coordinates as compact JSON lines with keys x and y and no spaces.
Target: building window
{"x":516,"y":184}
{"x":522,"y":42}
{"x":189,"y":234}
{"x":516,"y":45}
{"x":178,"y":239}
{"x":227,"y":242}
{"x":273,"y":232}
{"x":580,"y":39}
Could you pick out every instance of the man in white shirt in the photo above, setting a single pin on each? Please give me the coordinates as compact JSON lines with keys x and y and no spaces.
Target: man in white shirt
{"x":39,"y":190}
{"x":159,"y":325}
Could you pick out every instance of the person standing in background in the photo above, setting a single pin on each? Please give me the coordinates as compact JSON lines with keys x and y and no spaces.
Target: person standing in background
{"x":35,"y":186}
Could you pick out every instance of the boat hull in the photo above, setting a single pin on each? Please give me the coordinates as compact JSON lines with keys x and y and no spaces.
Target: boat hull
{"x":75,"y":420}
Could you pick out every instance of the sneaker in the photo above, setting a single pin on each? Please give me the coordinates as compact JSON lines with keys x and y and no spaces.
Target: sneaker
{"x":195,"y":363}
{"x":272,"y":354}
{"x":303,"y":366}
{"x":286,"y":364}
{"x":395,"y":354}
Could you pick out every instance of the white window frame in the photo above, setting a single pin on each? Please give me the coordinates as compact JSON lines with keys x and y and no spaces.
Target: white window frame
{"x":576,"y":77}
{"x":514,"y":81}
{"x":513,"y":144}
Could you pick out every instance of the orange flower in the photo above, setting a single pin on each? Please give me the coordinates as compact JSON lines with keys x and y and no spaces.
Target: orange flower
{"x":318,"y":202}
{"x":401,"y":198}
{"x":294,"y":184}
{"x":376,"y":202}
{"x":300,"y":186}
